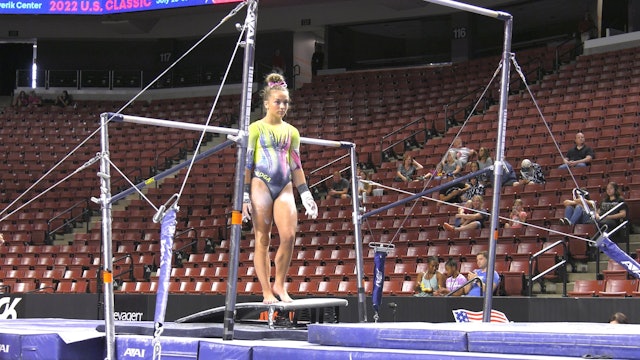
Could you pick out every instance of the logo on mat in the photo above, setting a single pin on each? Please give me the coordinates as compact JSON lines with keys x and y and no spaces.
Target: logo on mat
{"x":134,"y":352}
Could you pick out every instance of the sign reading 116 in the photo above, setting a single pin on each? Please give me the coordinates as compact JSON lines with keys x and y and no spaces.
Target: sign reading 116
{"x":460,"y":33}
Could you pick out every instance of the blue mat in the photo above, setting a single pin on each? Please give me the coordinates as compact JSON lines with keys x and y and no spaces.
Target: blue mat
{"x":135,"y":347}
{"x":544,"y":339}
{"x":31,"y":339}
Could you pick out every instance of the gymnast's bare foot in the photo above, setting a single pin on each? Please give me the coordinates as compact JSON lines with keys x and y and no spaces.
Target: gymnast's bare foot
{"x":269,"y":298}
{"x":282,"y":293}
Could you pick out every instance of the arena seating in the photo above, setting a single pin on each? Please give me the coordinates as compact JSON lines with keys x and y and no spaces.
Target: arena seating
{"x":362,"y":107}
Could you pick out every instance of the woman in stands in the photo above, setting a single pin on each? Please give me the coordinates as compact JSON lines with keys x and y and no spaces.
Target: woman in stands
{"x":454,"y":279}
{"x":273,"y":168}
{"x":407,"y":171}
{"x":612,"y":199}
{"x":431,"y":281}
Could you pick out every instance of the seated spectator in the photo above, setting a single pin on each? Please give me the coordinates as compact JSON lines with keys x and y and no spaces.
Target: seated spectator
{"x":617,"y":216}
{"x":453,"y":193}
{"x":449,"y":166}
{"x":364,"y":189}
{"x":509,"y":176}
{"x":21,"y":100}
{"x":574,"y":212}
{"x":475,"y":289}
{"x":454,"y":279}
{"x":429,"y":282}
{"x":407,"y":171}
{"x":517,"y":215}
{"x":475,"y":187}
{"x":530,"y":173}
{"x":473,"y":216}
{"x":463,"y":153}
{"x":579,"y":155}
{"x":484,"y":161}
{"x":339,"y":187}
{"x":34,"y":99}
{"x":63,"y":99}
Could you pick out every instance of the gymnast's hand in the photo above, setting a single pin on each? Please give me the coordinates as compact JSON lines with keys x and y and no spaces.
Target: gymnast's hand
{"x":246,"y":207}
{"x":309,"y":204}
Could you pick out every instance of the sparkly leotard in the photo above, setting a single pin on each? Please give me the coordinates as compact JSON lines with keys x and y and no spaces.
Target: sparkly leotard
{"x":273,"y":152}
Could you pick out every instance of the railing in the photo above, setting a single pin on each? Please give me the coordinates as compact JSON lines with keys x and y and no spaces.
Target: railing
{"x":562,"y":263}
{"x":179,"y":254}
{"x":121,"y":79}
{"x":70,"y":221}
{"x":449,"y":118}
{"x":128,"y":271}
{"x":384,"y":149}
{"x":167,"y":159}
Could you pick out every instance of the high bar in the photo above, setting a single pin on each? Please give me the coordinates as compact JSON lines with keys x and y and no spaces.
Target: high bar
{"x":213,"y":129}
{"x":474,"y":9}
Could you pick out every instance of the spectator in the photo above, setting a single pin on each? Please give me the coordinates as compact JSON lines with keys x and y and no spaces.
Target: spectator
{"x":475,"y":187}
{"x":449,"y":166}
{"x":475,"y":289}
{"x":617,"y":216}
{"x":2,"y":241}
{"x":272,"y":169}
{"x":484,"y":161}
{"x":586,"y":27}
{"x":453,"y":193}
{"x":574,"y":212}
{"x":472,"y":216}
{"x":277,"y":62}
{"x":618,"y":318}
{"x":21,"y":100}
{"x":63,"y":99}
{"x":578,"y":156}
{"x":509,"y":176}
{"x":340,"y":186}
{"x":530,"y":173}
{"x":429,"y":282}
{"x":517,"y":215}
{"x":454,"y":279}
{"x":317,"y":59}
{"x":407,"y":171}
{"x":364,"y":189}
{"x":34,"y":99}
{"x":463,"y":153}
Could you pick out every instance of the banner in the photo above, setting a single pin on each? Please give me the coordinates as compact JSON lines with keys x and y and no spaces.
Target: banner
{"x":378,"y":276}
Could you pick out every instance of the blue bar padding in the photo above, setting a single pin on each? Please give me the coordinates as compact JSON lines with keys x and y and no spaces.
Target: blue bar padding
{"x":167,"y":231}
{"x":618,"y":255}
{"x":378,"y":283}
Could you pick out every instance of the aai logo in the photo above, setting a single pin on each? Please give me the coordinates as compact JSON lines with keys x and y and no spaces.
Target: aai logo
{"x":134,"y":352}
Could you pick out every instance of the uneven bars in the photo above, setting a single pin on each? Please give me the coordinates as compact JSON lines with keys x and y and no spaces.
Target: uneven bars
{"x":214,"y":129}
{"x":471,"y":8}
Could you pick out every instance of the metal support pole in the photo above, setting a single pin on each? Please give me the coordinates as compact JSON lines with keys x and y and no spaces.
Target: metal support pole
{"x":498,"y":168}
{"x":107,"y":259}
{"x":362,"y":296}
{"x":236,"y":214}
{"x":502,"y":125}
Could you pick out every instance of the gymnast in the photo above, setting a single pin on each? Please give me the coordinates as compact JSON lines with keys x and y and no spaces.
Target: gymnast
{"x":273,"y":163}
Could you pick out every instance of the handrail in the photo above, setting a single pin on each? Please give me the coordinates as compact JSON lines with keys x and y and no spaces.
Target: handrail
{"x":572,"y":51}
{"x":167,"y":150}
{"x":66,"y":222}
{"x":562,"y":263}
{"x":412,"y":135}
{"x":130,"y":271}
